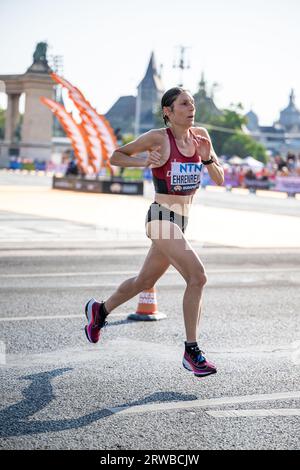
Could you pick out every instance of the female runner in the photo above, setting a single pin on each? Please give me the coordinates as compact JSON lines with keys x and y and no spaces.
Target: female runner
{"x":176,"y":155}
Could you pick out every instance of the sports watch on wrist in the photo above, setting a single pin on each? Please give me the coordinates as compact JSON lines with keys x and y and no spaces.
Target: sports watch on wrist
{"x":207,"y":162}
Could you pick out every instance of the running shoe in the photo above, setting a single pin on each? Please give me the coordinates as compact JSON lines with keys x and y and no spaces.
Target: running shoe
{"x":194,"y":361}
{"x":96,"y":320}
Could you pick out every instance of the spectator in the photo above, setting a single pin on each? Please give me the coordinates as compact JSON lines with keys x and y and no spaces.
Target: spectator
{"x":291,"y":161}
{"x":298,"y":165}
{"x":284,"y":171}
{"x":250,"y":175}
{"x":241,"y":176}
{"x":66,"y":155}
{"x":264,"y":175}
{"x":72,"y":168}
{"x":279,"y":162}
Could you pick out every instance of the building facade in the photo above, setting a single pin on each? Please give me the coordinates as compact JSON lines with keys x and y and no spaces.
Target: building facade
{"x":122,"y":114}
{"x":137,"y":114}
{"x":150,"y":92}
{"x":290,"y":116}
{"x":204,"y":103}
{"x":284,"y":135}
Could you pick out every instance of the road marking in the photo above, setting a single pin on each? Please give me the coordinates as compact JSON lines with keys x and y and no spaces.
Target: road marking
{"x":255,"y":413}
{"x":185,"y":405}
{"x":53,"y":317}
{"x":70,"y":286}
{"x":70,"y":274}
{"x":114,"y":273}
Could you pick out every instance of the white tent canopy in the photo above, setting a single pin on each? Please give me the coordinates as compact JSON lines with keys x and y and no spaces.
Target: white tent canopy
{"x":253,"y":163}
{"x":235,"y":160}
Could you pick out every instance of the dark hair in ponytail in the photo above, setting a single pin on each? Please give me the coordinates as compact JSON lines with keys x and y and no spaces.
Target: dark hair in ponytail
{"x":168,"y":99}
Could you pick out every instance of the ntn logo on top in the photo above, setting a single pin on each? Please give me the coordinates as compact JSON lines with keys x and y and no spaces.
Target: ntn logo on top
{"x":179,"y":167}
{"x":189,"y":167}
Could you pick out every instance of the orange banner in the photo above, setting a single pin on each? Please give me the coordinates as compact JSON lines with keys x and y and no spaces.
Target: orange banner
{"x":101,"y":138}
{"x":74,"y":131}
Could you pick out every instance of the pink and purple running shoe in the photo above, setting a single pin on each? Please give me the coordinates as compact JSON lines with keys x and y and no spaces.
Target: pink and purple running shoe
{"x":194,"y":361}
{"x":94,"y":312}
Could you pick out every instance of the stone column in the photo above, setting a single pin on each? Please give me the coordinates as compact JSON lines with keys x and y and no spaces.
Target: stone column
{"x":38,"y":119}
{"x":11,"y":117}
{"x":12,"y":86}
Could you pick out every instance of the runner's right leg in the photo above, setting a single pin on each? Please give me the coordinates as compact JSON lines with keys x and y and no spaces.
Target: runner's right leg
{"x":155,"y":265}
{"x":153,"y":268}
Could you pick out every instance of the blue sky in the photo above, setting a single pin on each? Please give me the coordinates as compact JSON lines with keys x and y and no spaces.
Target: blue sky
{"x":251,"y":49}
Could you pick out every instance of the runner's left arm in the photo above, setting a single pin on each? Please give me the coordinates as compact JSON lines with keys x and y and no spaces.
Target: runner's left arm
{"x":214,"y":169}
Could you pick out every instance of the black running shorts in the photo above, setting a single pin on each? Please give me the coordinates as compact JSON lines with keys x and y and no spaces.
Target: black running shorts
{"x":158,"y":212}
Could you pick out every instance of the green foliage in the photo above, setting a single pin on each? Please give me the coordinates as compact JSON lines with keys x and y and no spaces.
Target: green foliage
{"x":203,"y":112}
{"x":229,"y":119}
{"x":2,"y":123}
{"x":28,"y":166}
{"x":235,"y":142}
{"x":18,"y":130}
{"x":243,"y":145}
{"x":132,"y":174}
{"x":127,"y":138}
{"x":232,"y":119}
{"x":158,"y":119}
{"x":129,"y":174}
{"x":17,"y":133}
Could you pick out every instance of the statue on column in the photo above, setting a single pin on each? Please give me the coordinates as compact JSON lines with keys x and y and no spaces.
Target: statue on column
{"x":40,"y":63}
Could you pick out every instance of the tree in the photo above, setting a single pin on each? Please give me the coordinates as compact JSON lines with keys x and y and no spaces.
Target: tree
{"x":2,"y":123}
{"x":17,"y":134}
{"x":127,"y":138}
{"x":18,"y":130}
{"x":230,"y":119}
{"x":243,"y":145}
{"x":158,"y":119}
{"x":205,"y":106}
{"x":227,"y":135}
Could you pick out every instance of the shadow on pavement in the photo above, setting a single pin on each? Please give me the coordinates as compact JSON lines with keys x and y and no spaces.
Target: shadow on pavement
{"x":39,"y":394}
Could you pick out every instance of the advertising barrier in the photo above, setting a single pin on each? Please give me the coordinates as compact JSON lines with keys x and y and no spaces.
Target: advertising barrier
{"x":258,"y":184}
{"x":231,"y":180}
{"x":288,"y":184}
{"x":114,"y":186}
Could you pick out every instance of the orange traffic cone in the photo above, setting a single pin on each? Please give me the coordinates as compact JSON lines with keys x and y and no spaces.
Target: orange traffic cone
{"x":147,"y":307}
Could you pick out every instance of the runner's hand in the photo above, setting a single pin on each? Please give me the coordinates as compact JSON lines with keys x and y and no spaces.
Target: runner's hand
{"x":203,"y":147}
{"x":153,"y":159}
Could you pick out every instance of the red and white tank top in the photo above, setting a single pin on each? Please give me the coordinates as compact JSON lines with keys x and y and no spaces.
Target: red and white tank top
{"x":180,"y":175}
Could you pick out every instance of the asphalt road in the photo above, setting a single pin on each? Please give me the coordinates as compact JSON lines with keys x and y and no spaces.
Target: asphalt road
{"x":130,"y":391}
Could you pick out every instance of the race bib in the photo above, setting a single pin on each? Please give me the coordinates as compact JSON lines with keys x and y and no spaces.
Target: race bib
{"x":185,"y":176}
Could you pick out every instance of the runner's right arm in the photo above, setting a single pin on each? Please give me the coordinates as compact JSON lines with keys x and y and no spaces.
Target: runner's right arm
{"x":126,"y":156}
